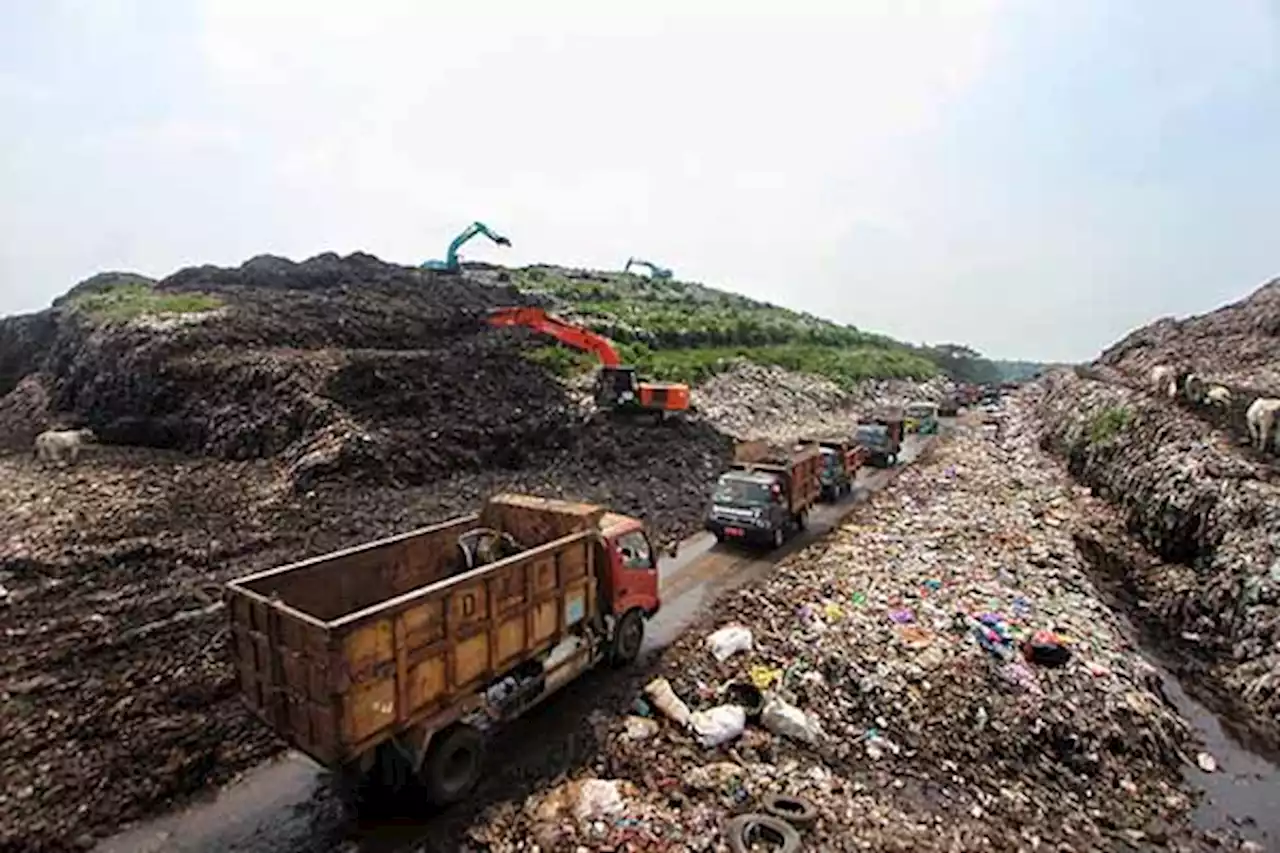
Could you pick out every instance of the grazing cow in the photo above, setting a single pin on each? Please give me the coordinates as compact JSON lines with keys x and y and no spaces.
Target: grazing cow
{"x":1162,"y":379}
{"x":1218,"y":396}
{"x":62,"y":445}
{"x":1261,"y":419}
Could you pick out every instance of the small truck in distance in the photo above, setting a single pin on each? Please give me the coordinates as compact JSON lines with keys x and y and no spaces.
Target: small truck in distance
{"x":388,"y":662}
{"x":841,"y":460}
{"x":765,"y":496}
{"x":882,"y":437}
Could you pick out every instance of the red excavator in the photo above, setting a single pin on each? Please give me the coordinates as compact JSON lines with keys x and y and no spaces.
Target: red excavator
{"x":617,"y":387}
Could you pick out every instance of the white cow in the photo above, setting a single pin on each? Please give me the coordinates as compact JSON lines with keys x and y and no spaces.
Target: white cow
{"x":1163,"y":380}
{"x":62,"y":445}
{"x":1218,"y":396}
{"x":1261,"y":419}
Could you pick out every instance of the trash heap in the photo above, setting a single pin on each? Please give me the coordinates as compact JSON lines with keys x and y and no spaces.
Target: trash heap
{"x":1235,"y":344}
{"x":1207,"y":508}
{"x":755,"y":401}
{"x":939,"y":674}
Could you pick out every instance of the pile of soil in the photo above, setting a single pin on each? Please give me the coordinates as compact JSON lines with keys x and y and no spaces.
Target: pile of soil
{"x":1238,"y":344}
{"x":325,"y":404}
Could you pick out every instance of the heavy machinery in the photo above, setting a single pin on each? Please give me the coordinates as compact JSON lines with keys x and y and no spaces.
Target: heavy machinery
{"x":655,"y":271}
{"x":765,"y":496}
{"x":617,"y":387}
{"x":841,"y":460}
{"x":450,"y":262}
{"x":392,"y":661}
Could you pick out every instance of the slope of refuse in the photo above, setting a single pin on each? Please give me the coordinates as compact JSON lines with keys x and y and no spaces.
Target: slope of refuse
{"x":321,"y":405}
{"x":1238,"y":344}
{"x":754,"y":401}
{"x":895,"y":678}
{"x":1207,"y":511}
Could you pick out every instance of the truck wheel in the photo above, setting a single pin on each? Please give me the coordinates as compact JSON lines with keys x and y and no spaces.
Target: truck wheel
{"x":779,"y":538}
{"x":452,"y":767}
{"x":628,"y":638}
{"x":802,"y":519}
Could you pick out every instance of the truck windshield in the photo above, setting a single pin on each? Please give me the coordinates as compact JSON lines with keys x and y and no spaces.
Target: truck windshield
{"x":731,"y":491}
{"x":872,"y":435}
{"x":920,"y":410}
{"x":830,"y":459}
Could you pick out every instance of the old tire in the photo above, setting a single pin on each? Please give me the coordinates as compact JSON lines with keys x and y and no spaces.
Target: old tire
{"x":779,"y":537}
{"x":453,"y":764}
{"x":628,"y":638}
{"x":796,"y":811}
{"x":742,"y":831}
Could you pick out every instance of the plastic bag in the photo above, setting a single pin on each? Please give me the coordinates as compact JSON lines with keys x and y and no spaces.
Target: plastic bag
{"x":787,"y":720}
{"x":718,"y":725}
{"x":728,"y":641}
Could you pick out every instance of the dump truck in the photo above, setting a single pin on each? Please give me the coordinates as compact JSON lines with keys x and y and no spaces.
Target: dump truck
{"x":391,"y":661}
{"x":882,"y":437}
{"x":765,"y":496}
{"x":841,"y":460}
{"x":922,"y":417}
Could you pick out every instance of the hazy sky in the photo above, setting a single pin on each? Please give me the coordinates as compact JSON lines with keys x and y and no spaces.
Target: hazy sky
{"x":1032,"y":177}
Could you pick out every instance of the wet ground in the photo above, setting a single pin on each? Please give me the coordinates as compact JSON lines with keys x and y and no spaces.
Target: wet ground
{"x":282,"y":805}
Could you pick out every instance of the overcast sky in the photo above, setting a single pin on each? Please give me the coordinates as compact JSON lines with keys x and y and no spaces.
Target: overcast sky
{"x":1032,"y":177}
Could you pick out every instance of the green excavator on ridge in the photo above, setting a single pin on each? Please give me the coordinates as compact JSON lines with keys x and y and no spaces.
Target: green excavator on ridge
{"x":450,"y":263}
{"x":655,"y":271}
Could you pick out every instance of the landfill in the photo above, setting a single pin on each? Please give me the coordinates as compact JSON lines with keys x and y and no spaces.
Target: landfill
{"x":752,"y":401}
{"x":939,"y":674}
{"x":1235,"y":344}
{"x":1198,"y":535}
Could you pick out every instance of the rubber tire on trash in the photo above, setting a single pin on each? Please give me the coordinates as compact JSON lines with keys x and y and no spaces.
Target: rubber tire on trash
{"x":743,"y":828}
{"x":796,"y":811}
{"x":628,"y":638}
{"x":453,"y":764}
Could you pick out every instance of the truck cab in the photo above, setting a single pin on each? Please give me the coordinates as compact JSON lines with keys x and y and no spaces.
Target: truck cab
{"x":881,"y":443}
{"x":750,"y":507}
{"x":922,"y":417}
{"x":630,"y":581}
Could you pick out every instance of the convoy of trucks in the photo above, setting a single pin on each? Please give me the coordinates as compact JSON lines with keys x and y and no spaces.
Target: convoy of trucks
{"x":393,"y":659}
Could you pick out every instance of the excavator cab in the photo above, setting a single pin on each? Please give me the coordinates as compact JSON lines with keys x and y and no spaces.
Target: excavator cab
{"x":618,"y":388}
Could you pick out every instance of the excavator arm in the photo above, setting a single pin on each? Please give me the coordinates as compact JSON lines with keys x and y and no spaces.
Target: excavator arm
{"x":474,"y":229}
{"x":655,"y":271}
{"x":566,"y":333}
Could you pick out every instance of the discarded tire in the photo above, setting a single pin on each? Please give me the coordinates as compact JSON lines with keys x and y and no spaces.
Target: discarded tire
{"x":745,"y":830}
{"x":796,"y":811}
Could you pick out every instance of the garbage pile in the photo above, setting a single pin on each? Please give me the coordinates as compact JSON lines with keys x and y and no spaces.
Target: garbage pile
{"x":1210,"y":511}
{"x":754,"y":401}
{"x":1236,"y":344}
{"x":939,"y":674}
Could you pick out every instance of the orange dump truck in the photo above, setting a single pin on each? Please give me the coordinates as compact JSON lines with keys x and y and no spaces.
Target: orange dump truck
{"x":393,"y":659}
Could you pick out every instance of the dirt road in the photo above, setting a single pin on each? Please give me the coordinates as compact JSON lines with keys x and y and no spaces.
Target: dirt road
{"x":285,"y":805}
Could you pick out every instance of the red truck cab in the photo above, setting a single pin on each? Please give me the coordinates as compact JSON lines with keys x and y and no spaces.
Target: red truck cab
{"x":631,"y":579}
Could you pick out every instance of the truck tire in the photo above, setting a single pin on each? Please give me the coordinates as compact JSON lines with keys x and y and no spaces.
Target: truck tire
{"x":779,"y":537}
{"x":802,"y":519}
{"x":628,"y":638}
{"x":453,"y":764}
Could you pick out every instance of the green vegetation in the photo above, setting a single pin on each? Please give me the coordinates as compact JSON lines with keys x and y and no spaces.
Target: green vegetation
{"x":680,"y":331}
{"x":1108,"y":423}
{"x":126,"y":301}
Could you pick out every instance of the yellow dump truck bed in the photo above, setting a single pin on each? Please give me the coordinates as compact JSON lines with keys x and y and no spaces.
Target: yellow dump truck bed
{"x":342,"y":651}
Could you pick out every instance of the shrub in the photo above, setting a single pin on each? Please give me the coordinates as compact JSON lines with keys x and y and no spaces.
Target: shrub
{"x":1108,"y":423}
{"x":127,"y":301}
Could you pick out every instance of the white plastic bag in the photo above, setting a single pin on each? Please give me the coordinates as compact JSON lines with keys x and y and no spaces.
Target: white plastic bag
{"x":728,"y":641}
{"x":718,"y":725}
{"x":789,"y":721}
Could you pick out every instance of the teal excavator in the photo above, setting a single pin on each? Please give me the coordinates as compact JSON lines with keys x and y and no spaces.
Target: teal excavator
{"x":450,"y":262}
{"x":655,"y":271}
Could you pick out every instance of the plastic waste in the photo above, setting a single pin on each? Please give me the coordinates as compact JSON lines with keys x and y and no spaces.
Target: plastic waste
{"x":667,"y":702}
{"x":728,"y":641}
{"x":1047,"y":649}
{"x":787,"y":720}
{"x":640,"y":728}
{"x":718,"y":725}
{"x":764,"y":677}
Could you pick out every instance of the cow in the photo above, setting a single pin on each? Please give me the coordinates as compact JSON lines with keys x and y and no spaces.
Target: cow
{"x":1261,"y":419}
{"x":1163,"y":380}
{"x":62,"y":445}
{"x":1218,"y":396}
